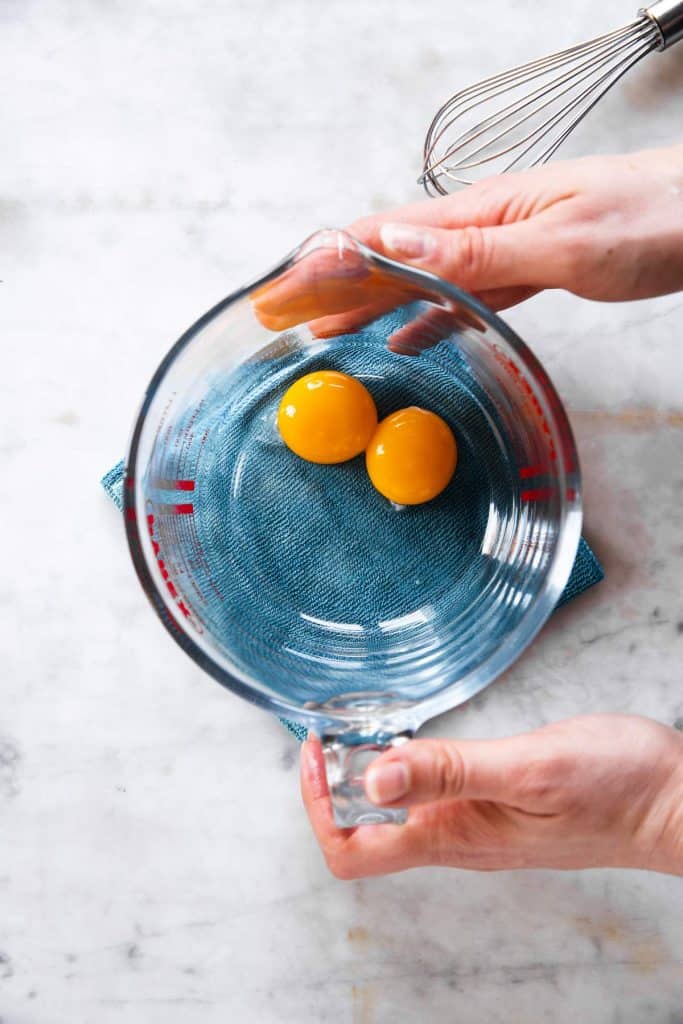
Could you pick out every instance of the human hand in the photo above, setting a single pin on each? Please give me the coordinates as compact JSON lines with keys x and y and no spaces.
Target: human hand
{"x":596,"y":791}
{"x":607,"y":228}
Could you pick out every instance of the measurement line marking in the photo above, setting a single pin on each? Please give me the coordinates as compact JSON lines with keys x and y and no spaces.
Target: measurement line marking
{"x":527,"y":472}
{"x":174,"y":510}
{"x":537,"y":494}
{"x":173,"y":485}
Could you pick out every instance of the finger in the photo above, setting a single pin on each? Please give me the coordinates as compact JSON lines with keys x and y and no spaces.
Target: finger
{"x":316,"y":796}
{"x":318,"y":284}
{"x":369,"y":849}
{"x":475,"y":258}
{"x":436,"y":324}
{"x":486,"y":203}
{"x":425,"y":331}
{"x":505,"y":771}
{"x":355,"y":319}
{"x":322,"y":284}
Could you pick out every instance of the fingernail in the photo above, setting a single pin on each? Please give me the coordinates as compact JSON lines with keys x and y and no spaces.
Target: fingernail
{"x":407,"y":240}
{"x":386,"y":782}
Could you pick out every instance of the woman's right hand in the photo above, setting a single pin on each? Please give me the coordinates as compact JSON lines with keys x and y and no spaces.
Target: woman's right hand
{"x":608,"y":228}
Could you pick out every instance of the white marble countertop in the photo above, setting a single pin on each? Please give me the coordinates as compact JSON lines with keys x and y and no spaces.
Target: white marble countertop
{"x":155,"y":862}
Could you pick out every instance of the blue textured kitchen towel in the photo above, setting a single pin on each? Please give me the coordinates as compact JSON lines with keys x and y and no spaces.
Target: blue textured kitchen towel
{"x":586,"y":572}
{"x":252,"y":586}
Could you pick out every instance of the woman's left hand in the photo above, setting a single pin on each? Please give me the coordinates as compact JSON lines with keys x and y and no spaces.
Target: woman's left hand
{"x":597,"y":791}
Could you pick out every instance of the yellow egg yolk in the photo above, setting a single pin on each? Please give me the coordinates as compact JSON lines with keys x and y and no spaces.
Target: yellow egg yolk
{"x":412,"y":456}
{"x":327,"y":417}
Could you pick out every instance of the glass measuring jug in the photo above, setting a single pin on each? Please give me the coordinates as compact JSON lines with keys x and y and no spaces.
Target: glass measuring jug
{"x":297,"y":586}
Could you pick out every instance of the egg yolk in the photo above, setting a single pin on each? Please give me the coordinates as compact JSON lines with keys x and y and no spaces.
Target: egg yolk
{"x":327,"y":417}
{"x":412,"y":456}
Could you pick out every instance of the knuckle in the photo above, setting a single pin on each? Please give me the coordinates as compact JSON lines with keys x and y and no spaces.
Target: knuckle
{"x":472,"y":253}
{"x":448,"y":770}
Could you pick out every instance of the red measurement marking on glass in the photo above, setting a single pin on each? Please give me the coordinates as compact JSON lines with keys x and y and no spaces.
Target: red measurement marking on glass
{"x":537,"y":494}
{"x":527,"y":472}
{"x":180,"y":604}
{"x":530,"y":402}
{"x":175,"y":510}
{"x":174,"y":485}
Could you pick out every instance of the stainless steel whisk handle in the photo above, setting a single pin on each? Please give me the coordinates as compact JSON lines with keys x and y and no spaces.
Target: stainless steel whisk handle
{"x":667,"y":17}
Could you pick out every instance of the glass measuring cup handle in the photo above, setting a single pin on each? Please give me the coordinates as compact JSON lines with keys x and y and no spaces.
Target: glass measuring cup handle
{"x":345,"y":764}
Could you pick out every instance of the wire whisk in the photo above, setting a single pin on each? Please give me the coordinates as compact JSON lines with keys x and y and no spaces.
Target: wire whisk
{"x":519,"y":118}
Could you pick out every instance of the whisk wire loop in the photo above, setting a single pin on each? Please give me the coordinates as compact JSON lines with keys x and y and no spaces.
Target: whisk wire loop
{"x":501,"y":124}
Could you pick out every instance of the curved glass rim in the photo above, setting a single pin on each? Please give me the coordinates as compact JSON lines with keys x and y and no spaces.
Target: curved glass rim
{"x":403,"y":716}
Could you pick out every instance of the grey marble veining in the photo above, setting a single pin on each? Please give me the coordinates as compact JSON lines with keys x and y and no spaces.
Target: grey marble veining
{"x":155,"y":863}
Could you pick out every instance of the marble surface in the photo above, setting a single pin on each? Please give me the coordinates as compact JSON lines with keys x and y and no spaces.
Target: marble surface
{"x":155,"y":863}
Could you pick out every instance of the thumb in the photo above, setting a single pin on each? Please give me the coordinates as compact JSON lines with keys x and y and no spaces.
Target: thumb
{"x":426,"y":770}
{"x":476,"y":258}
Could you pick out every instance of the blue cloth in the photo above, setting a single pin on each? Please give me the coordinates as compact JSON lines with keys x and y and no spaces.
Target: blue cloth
{"x":586,"y":573}
{"x":275,"y":472}
{"x":304,"y":572}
